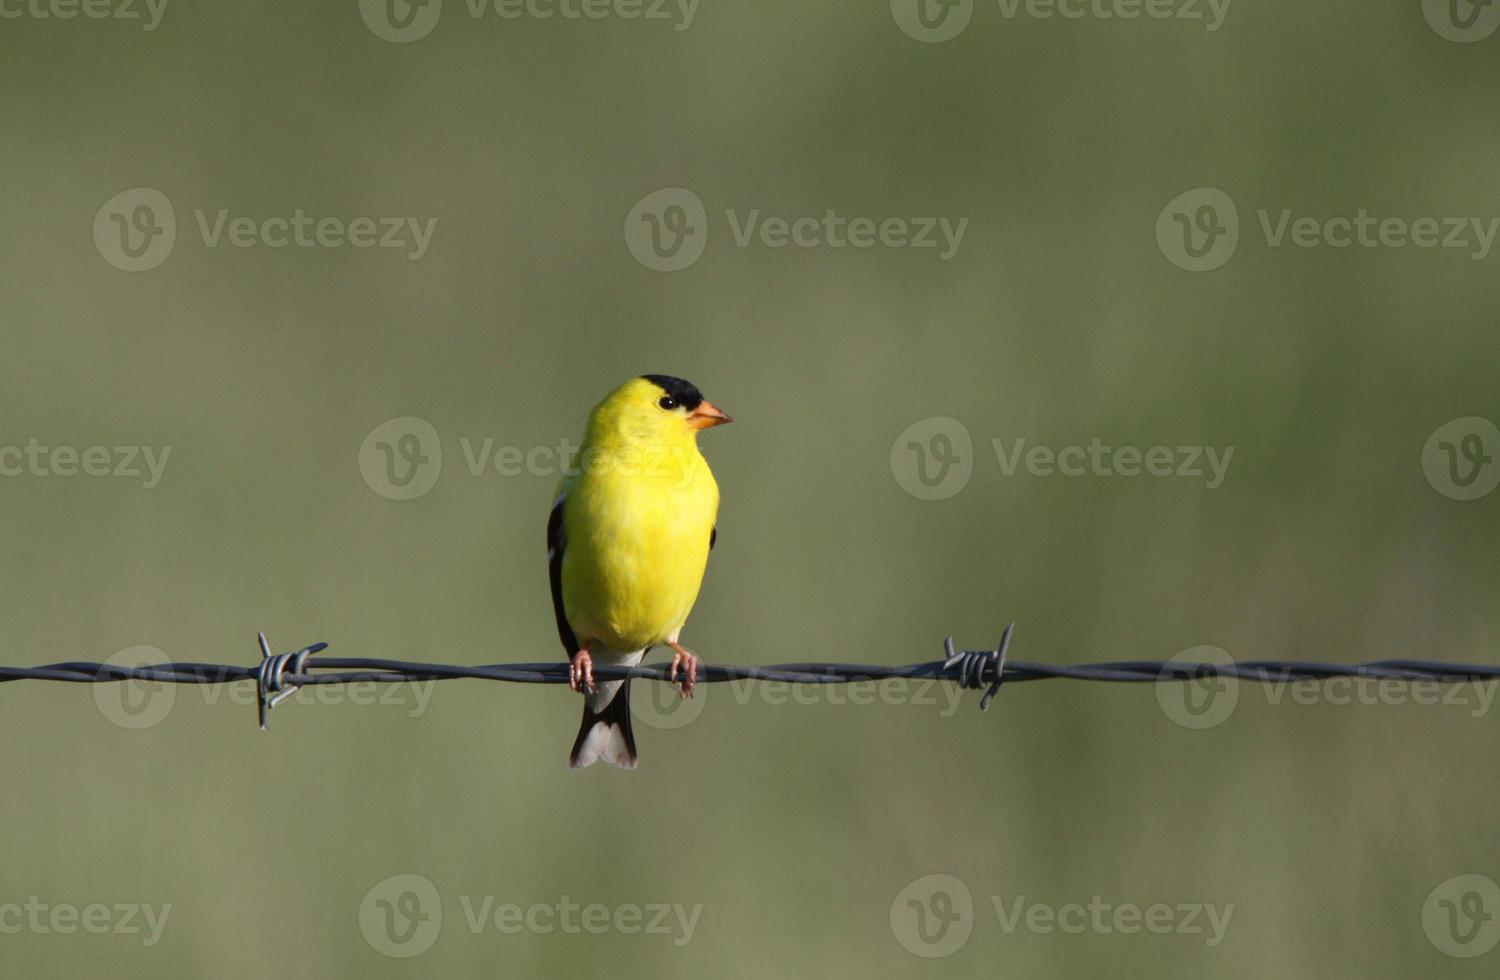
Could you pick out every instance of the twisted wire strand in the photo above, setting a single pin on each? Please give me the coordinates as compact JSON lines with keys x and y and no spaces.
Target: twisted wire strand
{"x":355,"y":669}
{"x":278,"y":676}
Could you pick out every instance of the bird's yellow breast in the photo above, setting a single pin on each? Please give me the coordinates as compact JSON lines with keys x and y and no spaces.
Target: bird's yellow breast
{"x":637,"y":542}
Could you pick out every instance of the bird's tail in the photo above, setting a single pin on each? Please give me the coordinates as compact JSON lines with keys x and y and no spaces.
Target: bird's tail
{"x":606,"y":735}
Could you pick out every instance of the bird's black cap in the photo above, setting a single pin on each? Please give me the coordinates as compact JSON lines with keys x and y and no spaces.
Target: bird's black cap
{"x":684,"y":393}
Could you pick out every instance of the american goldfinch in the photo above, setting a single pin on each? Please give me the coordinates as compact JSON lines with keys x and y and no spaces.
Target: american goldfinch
{"x":627,"y":543}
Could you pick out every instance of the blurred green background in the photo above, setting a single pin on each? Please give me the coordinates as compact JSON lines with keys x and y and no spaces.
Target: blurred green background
{"x":794,"y":826}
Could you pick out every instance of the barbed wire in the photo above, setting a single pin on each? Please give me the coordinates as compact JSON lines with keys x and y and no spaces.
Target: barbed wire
{"x":278,"y":676}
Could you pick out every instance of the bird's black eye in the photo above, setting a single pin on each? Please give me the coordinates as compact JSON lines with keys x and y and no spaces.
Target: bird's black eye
{"x":667,"y":402}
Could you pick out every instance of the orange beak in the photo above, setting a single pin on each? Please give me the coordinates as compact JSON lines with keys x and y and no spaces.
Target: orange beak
{"x":706,"y":416}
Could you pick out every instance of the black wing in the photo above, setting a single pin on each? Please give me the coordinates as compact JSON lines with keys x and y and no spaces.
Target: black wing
{"x":556,"y":540}
{"x":712,"y":537}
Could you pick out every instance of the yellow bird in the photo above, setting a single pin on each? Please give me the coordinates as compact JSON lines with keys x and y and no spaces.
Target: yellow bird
{"x":627,"y":543}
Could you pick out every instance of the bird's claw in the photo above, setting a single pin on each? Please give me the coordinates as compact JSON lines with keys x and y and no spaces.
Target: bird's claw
{"x":688,"y":661}
{"x":581,"y":672}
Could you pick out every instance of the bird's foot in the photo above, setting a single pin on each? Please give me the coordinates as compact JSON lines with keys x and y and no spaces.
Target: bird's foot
{"x":688,"y":661}
{"x":581,"y":672}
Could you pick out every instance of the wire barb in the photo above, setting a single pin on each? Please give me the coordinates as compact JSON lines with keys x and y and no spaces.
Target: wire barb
{"x":271,"y":684}
{"x":976,"y":667}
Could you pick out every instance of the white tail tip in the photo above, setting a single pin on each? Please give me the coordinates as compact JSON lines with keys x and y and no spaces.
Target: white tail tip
{"x":605,"y":741}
